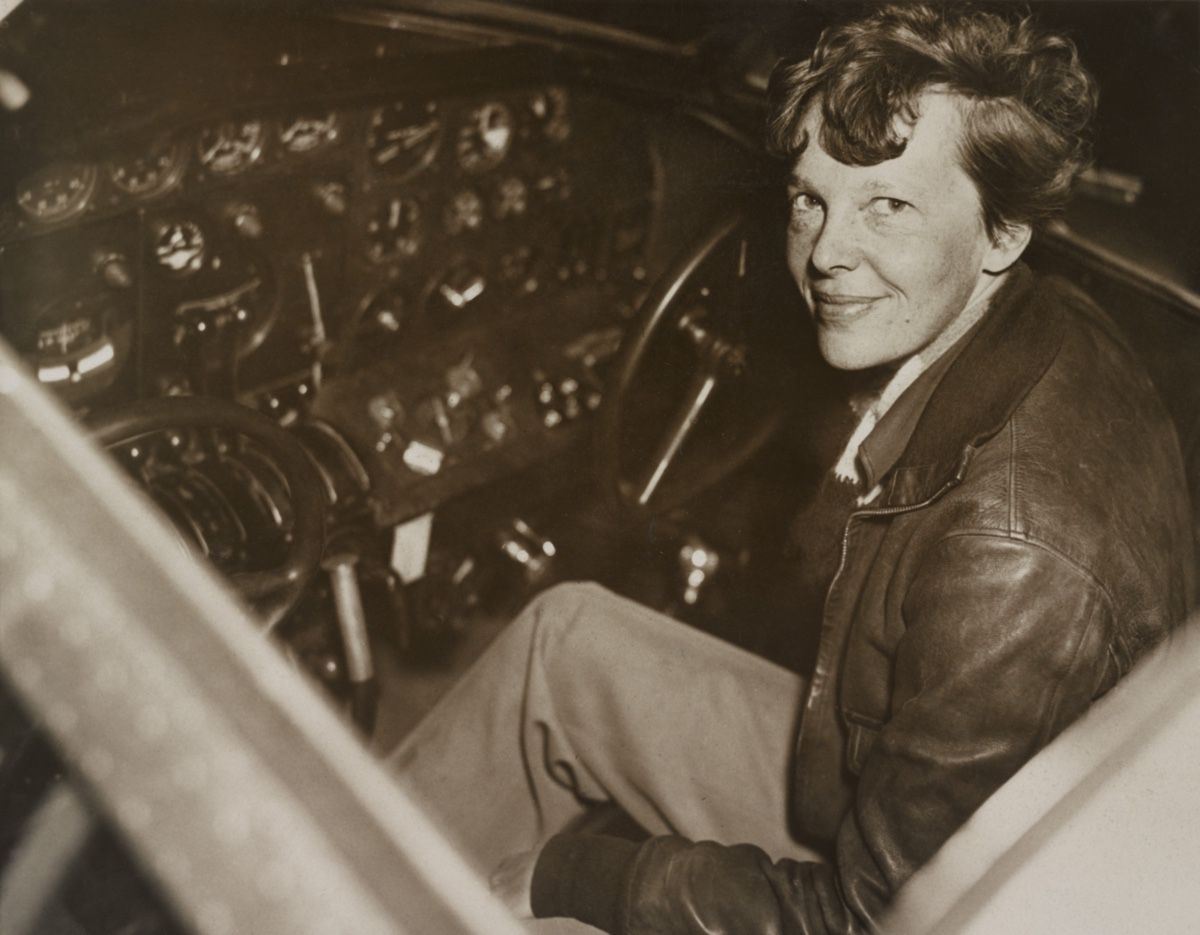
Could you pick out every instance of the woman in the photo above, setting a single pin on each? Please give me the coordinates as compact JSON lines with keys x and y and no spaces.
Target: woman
{"x":987,"y":586}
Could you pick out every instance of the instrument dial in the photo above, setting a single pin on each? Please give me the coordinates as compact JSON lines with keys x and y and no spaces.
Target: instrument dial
{"x":550,"y":110}
{"x":230,"y":147}
{"x":394,"y":229}
{"x":150,"y":171}
{"x":464,"y":213}
{"x":81,"y":343}
{"x":58,"y":192}
{"x":484,"y":139}
{"x":510,"y":199}
{"x":179,"y":246}
{"x":554,"y":186}
{"x":518,"y":269}
{"x":403,"y":138}
{"x":307,"y":132}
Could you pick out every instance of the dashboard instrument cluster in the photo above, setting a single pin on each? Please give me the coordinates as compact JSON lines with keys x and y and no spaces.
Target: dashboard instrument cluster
{"x":302,"y":254}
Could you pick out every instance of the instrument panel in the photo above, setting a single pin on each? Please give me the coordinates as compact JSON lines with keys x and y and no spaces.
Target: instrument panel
{"x":281,"y":256}
{"x":376,"y":219}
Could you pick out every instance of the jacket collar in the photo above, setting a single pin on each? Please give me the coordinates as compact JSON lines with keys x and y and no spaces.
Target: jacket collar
{"x":1007,"y":355}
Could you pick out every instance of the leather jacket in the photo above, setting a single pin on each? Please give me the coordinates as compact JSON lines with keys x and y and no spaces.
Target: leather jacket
{"x":1032,"y":541}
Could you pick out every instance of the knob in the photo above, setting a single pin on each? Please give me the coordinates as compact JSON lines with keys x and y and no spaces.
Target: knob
{"x":332,"y":196}
{"x":114,"y":269}
{"x":497,"y":425}
{"x":698,"y":562}
{"x":245,"y":219}
{"x":463,"y":380}
{"x":386,"y":410}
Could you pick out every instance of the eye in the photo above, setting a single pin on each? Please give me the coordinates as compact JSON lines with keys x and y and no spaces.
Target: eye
{"x":888,"y":207}
{"x":804,"y":204}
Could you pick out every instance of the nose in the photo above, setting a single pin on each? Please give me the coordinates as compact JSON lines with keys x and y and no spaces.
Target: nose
{"x":837,"y":246}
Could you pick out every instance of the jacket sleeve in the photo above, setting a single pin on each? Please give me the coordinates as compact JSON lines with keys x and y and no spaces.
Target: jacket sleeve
{"x":1005,"y":643}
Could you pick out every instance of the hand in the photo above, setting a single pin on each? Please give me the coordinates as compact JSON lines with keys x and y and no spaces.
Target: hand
{"x":512,"y":882}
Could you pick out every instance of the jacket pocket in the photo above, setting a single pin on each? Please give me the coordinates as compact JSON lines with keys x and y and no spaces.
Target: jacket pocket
{"x":862,"y":733}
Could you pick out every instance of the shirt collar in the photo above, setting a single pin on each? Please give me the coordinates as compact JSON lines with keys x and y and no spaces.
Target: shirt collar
{"x":882,"y":448}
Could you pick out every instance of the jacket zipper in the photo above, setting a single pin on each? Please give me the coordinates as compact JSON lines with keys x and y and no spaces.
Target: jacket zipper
{"x":893,"y":511}
{"x":954,"y":481}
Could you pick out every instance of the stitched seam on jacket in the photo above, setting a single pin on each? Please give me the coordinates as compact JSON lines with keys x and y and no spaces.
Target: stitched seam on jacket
{"x":1056,"y":701}
{"x":1012,"y":473}
{"x":1014,"y":536}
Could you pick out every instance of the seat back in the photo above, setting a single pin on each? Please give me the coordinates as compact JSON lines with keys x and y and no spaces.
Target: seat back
{"x":1161,"y":322}
{"x":1097,"y":833}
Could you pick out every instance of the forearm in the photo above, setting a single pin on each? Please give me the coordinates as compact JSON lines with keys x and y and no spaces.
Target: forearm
{"x":671,"y":886}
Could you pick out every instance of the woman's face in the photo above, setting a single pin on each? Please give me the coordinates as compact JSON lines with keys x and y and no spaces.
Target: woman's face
{"x":889,"y":256}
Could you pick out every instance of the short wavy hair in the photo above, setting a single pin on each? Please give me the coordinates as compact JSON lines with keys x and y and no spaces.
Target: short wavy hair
{"x":1028,"y":100}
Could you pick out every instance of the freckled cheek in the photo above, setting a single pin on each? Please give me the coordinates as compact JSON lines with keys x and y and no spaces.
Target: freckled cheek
{"x":913,"y":267}
{"x":799,"y":252}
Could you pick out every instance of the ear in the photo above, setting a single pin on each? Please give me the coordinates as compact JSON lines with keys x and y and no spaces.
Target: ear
{"x":1006,"y":248}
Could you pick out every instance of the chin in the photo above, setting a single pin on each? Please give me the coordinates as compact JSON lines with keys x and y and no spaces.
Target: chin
{"x":852,"y":355}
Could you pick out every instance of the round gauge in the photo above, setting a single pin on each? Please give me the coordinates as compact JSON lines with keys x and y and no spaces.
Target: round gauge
{"x":394,"y":229}
{"x":549,"y":109}
{"x":510,"y":199}
{"x":231,"y":146}
{"x":517,"y":269}
{"x":554,"y":185}
{"x":403,"y":138}
{"x":458,"y":288}
{"x":484,"y":139}
{"x":81,"y":342}
{"x":178,"y":246}
{"x":150,"y":171}
{"x":57,"y":192}
{"x":307,"y":132}
{"x":464,"y":213}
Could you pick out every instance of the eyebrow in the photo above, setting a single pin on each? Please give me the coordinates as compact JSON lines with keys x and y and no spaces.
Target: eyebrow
{"x":875,"y":187}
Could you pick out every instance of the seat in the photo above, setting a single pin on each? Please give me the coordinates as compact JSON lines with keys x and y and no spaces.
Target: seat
{"x":1097,"y":833}
{"x":1161,"y":321}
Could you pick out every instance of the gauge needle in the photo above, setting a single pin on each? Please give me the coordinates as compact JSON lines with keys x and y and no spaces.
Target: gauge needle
{"x":403,"y":138}
{"x":443,"y":421}
{"x":461,"y":298}
{"x":386,"y":155}
{"x":408,"y":137}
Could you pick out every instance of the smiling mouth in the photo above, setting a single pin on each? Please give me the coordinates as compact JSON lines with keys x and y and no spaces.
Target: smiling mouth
{"x":834,"y":308}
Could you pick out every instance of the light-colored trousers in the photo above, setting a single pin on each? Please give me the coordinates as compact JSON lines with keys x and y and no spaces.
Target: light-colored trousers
{"x":588,"y":697}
